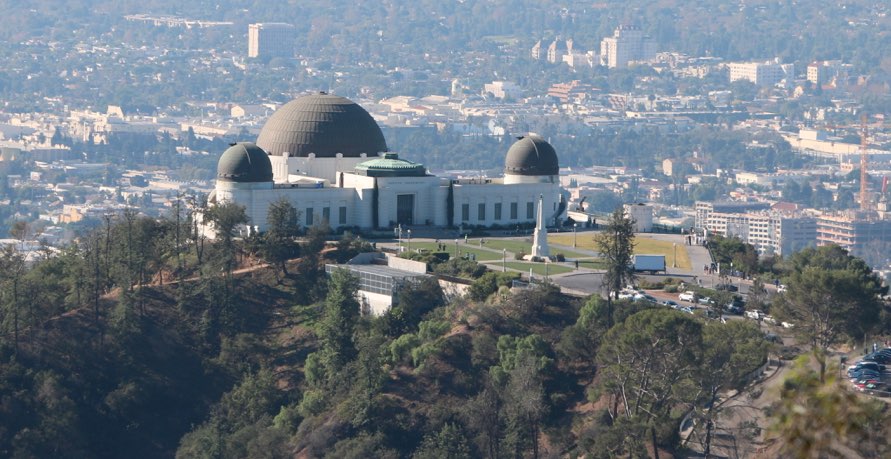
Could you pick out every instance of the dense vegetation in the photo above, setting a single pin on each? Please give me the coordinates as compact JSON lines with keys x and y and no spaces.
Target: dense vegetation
{"x":146,"y":337}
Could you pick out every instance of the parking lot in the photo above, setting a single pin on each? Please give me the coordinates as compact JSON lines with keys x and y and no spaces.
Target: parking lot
{"x":870,"y":374}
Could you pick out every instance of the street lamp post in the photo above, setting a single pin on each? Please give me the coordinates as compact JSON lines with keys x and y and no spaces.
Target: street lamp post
{"x":397,"y":231}
{"x":503,"y":260}
{"x":409,"y":241}
{"x":456,"y":248}
{"x":574,"y":227}
{"x":675,"y":257}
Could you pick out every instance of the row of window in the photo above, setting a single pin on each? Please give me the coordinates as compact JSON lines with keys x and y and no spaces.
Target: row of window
{"x":326,"y":215}
{"x":481,"y":211}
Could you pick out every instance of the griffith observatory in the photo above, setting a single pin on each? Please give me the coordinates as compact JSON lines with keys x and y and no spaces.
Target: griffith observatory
{"x":327,"y":156}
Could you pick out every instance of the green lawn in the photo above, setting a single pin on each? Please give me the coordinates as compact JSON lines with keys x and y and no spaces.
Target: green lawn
{"x":642,"y":245}
{"x":481,"y":254}
{"x":652,"y":246}
{"x":517,"y":246}
{"x":539,"y":268}
{"x":592,"y":264}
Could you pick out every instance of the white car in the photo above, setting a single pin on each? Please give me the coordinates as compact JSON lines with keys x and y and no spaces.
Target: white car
{"x":754,"y":314}
{"x":769,"y":320}
{"x":687,"y":296}
{"x":787,"y":324}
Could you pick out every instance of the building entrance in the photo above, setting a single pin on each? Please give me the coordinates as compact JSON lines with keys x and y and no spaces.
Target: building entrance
{"x":405,"y":209}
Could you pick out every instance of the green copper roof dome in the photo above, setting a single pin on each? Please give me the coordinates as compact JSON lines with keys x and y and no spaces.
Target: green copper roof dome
{"x":531,"y":155}
{"x":391,"y":166}
{"x":322,"y":124}
{"x":244,"y":162}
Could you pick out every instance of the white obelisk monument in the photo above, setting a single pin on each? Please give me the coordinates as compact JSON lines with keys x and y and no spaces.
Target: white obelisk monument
{"x":540,"y":237}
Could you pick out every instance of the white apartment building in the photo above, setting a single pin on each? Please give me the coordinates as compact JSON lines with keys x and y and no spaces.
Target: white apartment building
{"x":822,"y":72}
{"x":770,"y":232}
{"x":765,"y":73}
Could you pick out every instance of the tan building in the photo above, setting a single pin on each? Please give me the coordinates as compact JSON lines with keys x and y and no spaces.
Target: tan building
{"x":536,"y":51}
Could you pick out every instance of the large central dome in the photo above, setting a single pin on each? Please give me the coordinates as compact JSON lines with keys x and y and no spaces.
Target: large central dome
{"x":324,"y":125}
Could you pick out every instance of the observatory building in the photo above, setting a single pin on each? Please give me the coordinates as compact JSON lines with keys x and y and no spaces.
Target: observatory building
{"x":328,"y":157}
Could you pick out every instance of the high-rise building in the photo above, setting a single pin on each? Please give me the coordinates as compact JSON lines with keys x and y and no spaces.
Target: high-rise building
{"x":627,"y":44}
{"x":271,"y":39}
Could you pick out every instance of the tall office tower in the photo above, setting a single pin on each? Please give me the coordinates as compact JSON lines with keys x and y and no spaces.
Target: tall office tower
{"x":271,"y":39}
{"x":627,"y":44}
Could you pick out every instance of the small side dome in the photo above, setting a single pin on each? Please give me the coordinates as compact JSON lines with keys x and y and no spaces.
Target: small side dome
{"x":531,"y":155}
{"x":244,"y":162}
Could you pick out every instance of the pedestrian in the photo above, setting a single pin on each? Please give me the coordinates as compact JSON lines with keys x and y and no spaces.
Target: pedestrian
{"x":875,"y":347}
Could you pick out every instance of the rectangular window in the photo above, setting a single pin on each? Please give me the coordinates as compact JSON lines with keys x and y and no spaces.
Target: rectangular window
{"x":326,"y":214}
{"x":530,"y":210}
{"x":465,"y":212}
{"x":513,"y":211}
{"x":481,"y":212}
{"x":342,"y":215}
{"x":497,"y":211}
{"x":309,"y":216}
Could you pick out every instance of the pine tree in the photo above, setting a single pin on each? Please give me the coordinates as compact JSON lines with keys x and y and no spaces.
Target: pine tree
{"x":616,"y":246}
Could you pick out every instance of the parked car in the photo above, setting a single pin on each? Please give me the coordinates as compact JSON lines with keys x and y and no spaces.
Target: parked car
{"x":867,"y":365}
{"x":877,"y":357}
{"x":669,"y":303}
{"x":773,"y":338}
{"x":861,"y":374}
{"x":706,"y":301}
{"x":686,"y":309}
{"x":734,"y":309}
{"x":787,"y":324}
{"x":754,"y":314}
{"x":769,"y":319}
{"x":727,"y":287}
{"x":879,"y":388}
{"x":687,"y":296}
